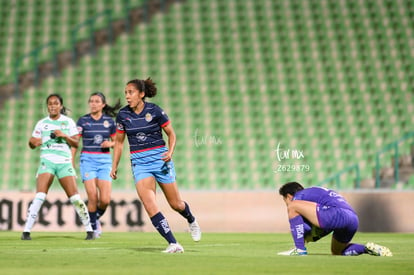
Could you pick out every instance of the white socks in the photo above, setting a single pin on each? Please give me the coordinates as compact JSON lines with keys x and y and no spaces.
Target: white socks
{"x":82,"y":211}
{"x":34,"y":210}
{"x":38,"y":200}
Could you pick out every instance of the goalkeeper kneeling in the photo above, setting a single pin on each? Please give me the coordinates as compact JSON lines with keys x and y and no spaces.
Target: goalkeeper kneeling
{"x":316,"y":212}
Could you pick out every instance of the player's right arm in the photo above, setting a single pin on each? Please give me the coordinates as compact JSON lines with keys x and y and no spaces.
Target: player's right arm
{"x":118,"y":146}
{"x":34,"y":142}
{"x":36,"y":138}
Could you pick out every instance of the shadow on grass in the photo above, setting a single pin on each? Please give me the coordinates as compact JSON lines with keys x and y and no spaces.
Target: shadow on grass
{"x":155,"y":249}
{"x":57,"y":237}
{"x":146,"y":249}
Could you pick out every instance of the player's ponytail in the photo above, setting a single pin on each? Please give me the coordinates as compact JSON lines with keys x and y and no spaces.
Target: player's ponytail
{"x":108,"y":109}
{"x":150,"y":89}
{"x":147,"y":86}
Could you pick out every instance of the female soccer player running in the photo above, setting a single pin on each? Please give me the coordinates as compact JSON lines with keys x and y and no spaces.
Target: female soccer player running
{"x":97,"y":130}
{"x":55,"y":134}
{"x":326,"y":211}
{"x":142,"y":122}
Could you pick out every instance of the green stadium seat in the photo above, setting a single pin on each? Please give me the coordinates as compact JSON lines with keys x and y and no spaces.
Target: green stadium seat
{"x":254,"y":73}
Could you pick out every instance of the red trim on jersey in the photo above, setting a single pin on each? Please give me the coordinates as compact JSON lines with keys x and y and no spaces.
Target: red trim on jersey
{"x":112,"y":134}
{"x":119,"y":131}
{"x":166,"y":123}
{"x":96,"y":153}
{"x":147,"y":149}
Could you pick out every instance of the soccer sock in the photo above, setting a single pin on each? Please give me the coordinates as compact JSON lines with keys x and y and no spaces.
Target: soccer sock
{"x":34,"y":210}
{"x":186,"y":213}
{"x":92,"y":218}
{"x":298,"y":231}
{"x":100,"y":212}
{"x":82,"y":211}
{"x":161,"y":224}
{"x":354,"y":249}
{"x":307,"y":227}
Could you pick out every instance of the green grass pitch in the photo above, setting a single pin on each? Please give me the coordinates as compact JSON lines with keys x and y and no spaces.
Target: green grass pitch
{"x":217,"y":253}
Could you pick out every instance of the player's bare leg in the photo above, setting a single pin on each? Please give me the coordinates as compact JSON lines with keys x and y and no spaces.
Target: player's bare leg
{"x":175,"y":201}
{"x":146,"y":191}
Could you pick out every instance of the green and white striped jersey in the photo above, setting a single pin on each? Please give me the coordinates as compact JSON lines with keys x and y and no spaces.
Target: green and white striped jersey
{"x":56,"y":149}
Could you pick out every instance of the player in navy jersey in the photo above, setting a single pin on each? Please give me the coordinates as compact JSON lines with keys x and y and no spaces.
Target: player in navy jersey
{"x":55,"y":135}
{"x":143,"y":122}
{"x":315,"y":212}
{"x":97,"y":130}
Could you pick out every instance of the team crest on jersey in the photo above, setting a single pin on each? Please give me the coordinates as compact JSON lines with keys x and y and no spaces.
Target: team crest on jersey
{"x":141,"y":136}
{"x":106,"y":124}
{"x":63,"y":126}
{"x":97,"y":139}
{"x":148,"y":117}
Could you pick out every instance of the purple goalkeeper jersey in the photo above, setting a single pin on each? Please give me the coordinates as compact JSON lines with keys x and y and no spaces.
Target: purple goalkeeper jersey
{"x":322,"y":196}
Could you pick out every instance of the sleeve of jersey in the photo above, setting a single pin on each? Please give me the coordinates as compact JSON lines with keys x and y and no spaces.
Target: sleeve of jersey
{"x":112,"y":129}
{"x":119,"y":126}
{"x":79,"y":126}
{"x":37,"y":131}
{"x":163,"y":118}
{"x":298,"y":196}
{"x":73,"y":130}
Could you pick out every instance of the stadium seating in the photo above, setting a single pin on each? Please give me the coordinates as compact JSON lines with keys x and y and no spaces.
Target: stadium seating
{"x":238,"y":78}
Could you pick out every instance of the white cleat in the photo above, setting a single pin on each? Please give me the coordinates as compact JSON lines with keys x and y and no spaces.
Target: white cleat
{"x":195,"y":231}
{"x":294,"y":252}
{"x":97,"y":234}
{"x":378,"y":250}
{"x":98,"y":231}
{"x":174,"y":248}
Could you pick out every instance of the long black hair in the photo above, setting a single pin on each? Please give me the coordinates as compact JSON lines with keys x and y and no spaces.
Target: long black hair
{"x":108,"y":109}
{"x":63,"y":110}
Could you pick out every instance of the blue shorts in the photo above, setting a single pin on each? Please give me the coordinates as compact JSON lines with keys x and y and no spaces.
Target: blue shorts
{"x":95,"y":166}
{"x":343,"y":222}
{"x":149,"y":164}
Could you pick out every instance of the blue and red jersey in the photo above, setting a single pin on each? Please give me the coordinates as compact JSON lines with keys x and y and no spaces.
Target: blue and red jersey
{"x":144,"y":130}
{"x":94,"y":132}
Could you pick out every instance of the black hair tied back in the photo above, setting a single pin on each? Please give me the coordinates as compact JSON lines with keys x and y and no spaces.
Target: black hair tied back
{"x":147,"y":86}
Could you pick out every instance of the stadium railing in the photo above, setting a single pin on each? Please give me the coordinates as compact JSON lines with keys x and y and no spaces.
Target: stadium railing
{"x":337,"y":177}
{"x":34,"y":55}
{"x":148,"y":7}
{"x":395,"y":147}
{"x":90,"y":24}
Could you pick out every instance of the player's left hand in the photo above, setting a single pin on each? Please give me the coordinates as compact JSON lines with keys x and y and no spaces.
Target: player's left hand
{"x":113,"y":174}
{"x":106,"y":144}
{"x":167,"y":156}
{"x":59,"y":133}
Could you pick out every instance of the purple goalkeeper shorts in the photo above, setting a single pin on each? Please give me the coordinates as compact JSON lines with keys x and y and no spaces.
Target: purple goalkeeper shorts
{"x":343,"y":222}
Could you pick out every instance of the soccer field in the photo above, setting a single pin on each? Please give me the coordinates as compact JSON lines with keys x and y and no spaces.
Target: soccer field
{"x":226,"y":253}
